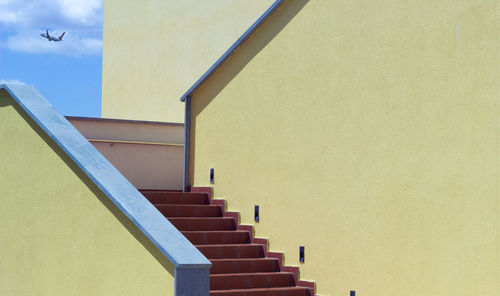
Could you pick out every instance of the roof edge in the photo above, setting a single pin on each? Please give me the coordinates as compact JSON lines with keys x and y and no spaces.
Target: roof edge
{"x":233,"y":48}
{"x":117,"y":120}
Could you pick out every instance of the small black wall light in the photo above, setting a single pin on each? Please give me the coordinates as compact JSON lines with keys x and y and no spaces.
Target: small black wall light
{"x":256,"y":214}
{"x":302,"y":257}
{"x":353,"y":293}
{"x":212,"y":172}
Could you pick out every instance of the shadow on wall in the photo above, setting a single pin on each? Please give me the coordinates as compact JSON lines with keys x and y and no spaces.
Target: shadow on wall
{"x":129,"y":225}
{"x":237,"y":61}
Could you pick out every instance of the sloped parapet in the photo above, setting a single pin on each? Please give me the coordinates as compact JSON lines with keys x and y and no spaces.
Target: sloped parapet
{"x":71,"y":223}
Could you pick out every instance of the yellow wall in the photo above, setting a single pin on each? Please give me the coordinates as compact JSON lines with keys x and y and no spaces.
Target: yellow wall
{"x":155,"y":50}
{"x":368,"y":132}
{"x":59,"y":234}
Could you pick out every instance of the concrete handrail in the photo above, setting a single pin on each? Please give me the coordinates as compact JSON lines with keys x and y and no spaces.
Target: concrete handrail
{"x":191,"y":267}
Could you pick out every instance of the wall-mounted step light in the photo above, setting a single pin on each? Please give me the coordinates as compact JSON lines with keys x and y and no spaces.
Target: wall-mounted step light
{"x":256,"y":214}
{"x":353,"y":293}
{"x":302,"y":257}
{"x":212,"y":175}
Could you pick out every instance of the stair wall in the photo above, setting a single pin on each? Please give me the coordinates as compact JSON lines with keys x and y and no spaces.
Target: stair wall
{"x":60,"y":235}
{"x":71,"y":223}
{"x":368,"y":133}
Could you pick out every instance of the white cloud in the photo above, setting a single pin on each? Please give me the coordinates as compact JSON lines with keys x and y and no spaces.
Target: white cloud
{"x":11,"y":81}
{"x":72,"y":44}
{"x":29,"y":13}
{"x":8,"y":17}
{"x":85,"y":12}
{"x":22,"y":21}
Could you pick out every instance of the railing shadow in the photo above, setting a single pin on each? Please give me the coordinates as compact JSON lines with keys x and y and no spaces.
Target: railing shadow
{"x":209,"y":90}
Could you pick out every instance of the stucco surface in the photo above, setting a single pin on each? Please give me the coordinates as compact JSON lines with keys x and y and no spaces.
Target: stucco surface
{"x":368,"y":132}
{"x":155,"y":50}
{"x":129,"y":131}
{"x":145,"y":166}
{"x":59,"y":234}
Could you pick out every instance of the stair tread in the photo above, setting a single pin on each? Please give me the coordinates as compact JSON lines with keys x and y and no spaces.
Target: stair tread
{"x":254,"y":280}
{"x":230,"y":245}
{"x":250,"y":273}
{"x":159,"y":190}
{"x":170,"y":192}
{"x":185,"y":205}
{"x":189,"y":210}
{"x":217,"y":237}
{"x":210,"y":231}
{"x":232,"y":251}
{"x":176,"y":198}
{"x":201,"y":218}
{"x":265,"y":289}
{"x":213,"y":231}
{"x":245,"y":259}
{"x":261,"y":289}
{"x":203,"y":224}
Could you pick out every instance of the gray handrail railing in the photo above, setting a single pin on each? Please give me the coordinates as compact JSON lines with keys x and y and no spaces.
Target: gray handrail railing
{"x":233,"y":48}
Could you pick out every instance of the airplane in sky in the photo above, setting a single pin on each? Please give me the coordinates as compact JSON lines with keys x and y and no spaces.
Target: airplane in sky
{"x":52,"y":38}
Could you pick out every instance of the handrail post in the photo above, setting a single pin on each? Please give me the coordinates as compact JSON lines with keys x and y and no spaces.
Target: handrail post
{"x":187,"y":142}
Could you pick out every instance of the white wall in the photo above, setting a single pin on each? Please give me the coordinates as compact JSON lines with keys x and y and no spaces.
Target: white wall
{"x":148,"y":154}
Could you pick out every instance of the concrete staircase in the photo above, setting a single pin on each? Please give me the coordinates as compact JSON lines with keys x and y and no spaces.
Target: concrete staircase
{"x":241,"y":263}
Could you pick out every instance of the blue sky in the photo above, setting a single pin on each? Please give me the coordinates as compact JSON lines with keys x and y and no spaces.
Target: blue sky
{"x":67,"y":73}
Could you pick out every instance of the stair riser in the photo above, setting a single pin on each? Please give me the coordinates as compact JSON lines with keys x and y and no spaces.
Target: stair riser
{"x":249,"y":281}
{"x":249,"y":251}
{"x":177,"y":198}
{"x":292,"y":291}
{"x":210,"y":238}
{"x":203,"y":224}
{"x":250,"y":266}
{"x":189,"y":210}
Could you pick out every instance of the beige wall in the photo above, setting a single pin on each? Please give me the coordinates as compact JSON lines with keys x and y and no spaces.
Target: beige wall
{"x":59,"y":234}
{"x":155,"y":50}
{"x":149,"y":155}
{"x":368,"y":132}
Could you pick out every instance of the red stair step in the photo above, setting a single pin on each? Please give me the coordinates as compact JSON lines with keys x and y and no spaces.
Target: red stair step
{"x":238,"y":264}
{"x":232,"y":251}
{"x":177,"y":210}
{"x":205,"y":224}
{"x":217,"y":237}
{"x":250,"y":265}
{"x":284,"y":291}
{"x":250,"y":280}
{"x":158,"y":197}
